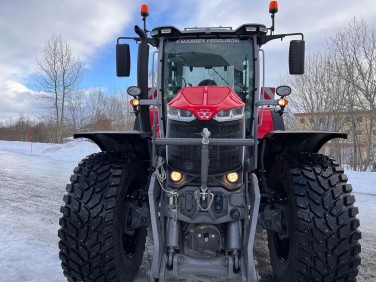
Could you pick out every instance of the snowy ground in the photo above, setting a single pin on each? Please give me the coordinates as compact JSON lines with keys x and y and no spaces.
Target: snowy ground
{"x":32,"y":185}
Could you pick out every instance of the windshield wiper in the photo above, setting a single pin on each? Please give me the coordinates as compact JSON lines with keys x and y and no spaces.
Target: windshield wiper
{"x":220,"y":76}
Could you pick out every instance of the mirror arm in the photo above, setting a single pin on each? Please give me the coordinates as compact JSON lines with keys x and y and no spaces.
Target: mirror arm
{"x":134,"y":38}
{"x":265,"y":39}
{"x":150,"y":41}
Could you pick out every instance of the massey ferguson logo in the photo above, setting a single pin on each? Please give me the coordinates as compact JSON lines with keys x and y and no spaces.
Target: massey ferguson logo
{"x":204,"y":114}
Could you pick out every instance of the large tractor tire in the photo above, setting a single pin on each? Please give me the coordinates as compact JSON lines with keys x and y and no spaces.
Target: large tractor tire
{"x":94,"y":244}
{"x":321,"y":243}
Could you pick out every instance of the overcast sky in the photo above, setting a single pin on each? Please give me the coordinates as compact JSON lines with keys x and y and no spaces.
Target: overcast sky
{"x":91,"y":28}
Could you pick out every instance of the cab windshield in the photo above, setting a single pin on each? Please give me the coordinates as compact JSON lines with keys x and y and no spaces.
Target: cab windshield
{"x":198,"y":62}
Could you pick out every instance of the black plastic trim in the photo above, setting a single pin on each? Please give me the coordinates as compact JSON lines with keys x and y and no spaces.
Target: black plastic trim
{"x":278,"y":142}
{"x":120,"y":141}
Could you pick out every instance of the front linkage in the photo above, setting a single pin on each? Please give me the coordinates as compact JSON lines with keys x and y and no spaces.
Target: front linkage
{"x":203,"y":212}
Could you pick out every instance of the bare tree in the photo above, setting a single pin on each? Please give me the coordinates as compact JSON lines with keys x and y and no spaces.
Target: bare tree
{"x":318,"y":92}
{"x":119,"y":111}
{"x":96,"y":106}
{"x":76,"y":106}
{"x":59,"y":74}
{"x":354,"y":50}
{"x":339,"y":87}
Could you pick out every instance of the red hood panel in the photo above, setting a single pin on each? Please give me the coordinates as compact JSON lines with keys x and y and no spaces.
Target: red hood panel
{"x":206,"y":101}
{"x":192,"y":97}
{"x":217,"y":96}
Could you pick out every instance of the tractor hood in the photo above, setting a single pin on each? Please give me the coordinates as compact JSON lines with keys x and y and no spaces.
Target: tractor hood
{"x":204,"y":102}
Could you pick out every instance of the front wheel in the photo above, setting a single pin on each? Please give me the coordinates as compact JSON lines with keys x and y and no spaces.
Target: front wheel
{"x":95,"y":244}
{"x":321,"y":242}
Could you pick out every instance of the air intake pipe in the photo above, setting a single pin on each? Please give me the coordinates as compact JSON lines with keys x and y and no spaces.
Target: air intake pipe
{"x":142,"y":78}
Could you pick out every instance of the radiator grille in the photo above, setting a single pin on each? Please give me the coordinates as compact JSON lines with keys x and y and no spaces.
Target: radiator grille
{"x":221,"y":158}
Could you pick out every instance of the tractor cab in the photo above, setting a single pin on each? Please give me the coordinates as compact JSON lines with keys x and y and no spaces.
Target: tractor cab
{"x":192,"y":58}
{"x":208,"y":58}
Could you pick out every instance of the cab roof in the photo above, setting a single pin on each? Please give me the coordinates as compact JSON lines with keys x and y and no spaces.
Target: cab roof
{"x":245,"y":29}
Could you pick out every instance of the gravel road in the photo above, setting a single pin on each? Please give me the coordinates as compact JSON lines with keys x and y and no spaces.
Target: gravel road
{"x":31,"y":191}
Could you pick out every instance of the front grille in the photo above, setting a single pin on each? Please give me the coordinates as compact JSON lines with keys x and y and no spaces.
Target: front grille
{"x":221,"y":158}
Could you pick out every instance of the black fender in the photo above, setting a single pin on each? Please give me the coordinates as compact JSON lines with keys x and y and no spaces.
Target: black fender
{"x":278,"y":142}
{"x":121,"y":141}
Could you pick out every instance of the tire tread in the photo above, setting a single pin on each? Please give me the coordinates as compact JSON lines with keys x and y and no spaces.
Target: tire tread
{"x":327,"y":247}
{"x":334,"y":253}
{"x":87,"y":247}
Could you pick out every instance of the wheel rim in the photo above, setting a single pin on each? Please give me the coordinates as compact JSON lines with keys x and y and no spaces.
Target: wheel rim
{"x":282,"y":247}
{"x":282,"y":243}
{"x":129,"y":241}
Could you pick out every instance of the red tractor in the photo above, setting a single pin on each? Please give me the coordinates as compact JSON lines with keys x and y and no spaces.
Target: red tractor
{"x":196,"y":171}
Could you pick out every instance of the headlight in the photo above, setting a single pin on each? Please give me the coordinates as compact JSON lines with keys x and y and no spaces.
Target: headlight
{"x":176,"y":176}
{"x":180,"y":115}
{"x":231,"y":114}
{"x":232,"y":177}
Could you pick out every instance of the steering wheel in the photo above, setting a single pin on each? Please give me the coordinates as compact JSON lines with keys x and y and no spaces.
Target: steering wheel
{"x":207,"y":82}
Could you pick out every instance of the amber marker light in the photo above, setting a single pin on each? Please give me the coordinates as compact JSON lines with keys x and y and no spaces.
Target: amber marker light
{"x":273,"y":7}
{"x":134,"y":102}
{"x":283,"y":102}
{"x":176,"y":176}
{"x":232,"y":177}
{"x":144,"y":10}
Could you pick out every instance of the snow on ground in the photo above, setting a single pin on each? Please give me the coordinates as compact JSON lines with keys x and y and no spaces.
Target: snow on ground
{"x":31,"y":189}
{"x":73,"y":151}
{"x":32,"y":184}
{"x":365,"y":194}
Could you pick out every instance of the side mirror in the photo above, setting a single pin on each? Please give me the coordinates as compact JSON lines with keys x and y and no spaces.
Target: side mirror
{"x":123,"y":60}
{"x":296,"y":56}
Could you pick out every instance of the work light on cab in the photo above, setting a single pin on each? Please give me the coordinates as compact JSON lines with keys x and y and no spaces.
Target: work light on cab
{"x":166,"y":30}
{"x":134,"y":91}
{"x":283,"y":90}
